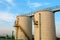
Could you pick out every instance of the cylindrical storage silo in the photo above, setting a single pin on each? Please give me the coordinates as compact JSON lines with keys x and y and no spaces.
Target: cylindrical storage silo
{"x":25,"y":27}
{"x":47,"y":25}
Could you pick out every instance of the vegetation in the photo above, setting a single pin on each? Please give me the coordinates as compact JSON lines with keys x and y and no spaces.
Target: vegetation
{"x":7,"y":37}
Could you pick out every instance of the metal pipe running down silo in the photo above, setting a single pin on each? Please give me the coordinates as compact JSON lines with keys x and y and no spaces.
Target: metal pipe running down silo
{"x":24,"y":28}
{"x":37,"y":26}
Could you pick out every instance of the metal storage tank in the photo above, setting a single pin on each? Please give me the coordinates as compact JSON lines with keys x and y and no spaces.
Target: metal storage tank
{"x":46,"y":25}
{"x":24,"y":28}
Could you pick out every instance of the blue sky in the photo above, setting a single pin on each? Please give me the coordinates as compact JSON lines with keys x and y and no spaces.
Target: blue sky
{"x":9,"y":9}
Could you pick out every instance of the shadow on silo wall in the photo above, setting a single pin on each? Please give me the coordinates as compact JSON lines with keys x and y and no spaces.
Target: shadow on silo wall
{"x":57,"y":38}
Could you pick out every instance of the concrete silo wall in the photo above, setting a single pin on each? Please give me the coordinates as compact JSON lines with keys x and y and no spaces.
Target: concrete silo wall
{"x":25,"y":28}
{"x":46,"y":26}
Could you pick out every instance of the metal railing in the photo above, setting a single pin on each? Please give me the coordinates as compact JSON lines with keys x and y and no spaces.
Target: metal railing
{"x":54,"y":8}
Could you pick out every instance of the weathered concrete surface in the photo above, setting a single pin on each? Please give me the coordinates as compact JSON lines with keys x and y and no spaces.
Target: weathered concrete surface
{"x":45,"y":30}
{"x":24,"y":29}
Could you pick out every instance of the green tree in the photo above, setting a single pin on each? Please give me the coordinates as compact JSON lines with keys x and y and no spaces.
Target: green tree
{"x":12,"y":34}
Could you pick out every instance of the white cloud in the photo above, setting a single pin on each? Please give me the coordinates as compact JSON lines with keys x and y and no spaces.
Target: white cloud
{"x":7,"y":16}
{"x":8,"y":19}
{"x":10,"y":2}
{"x":34,"y":5}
